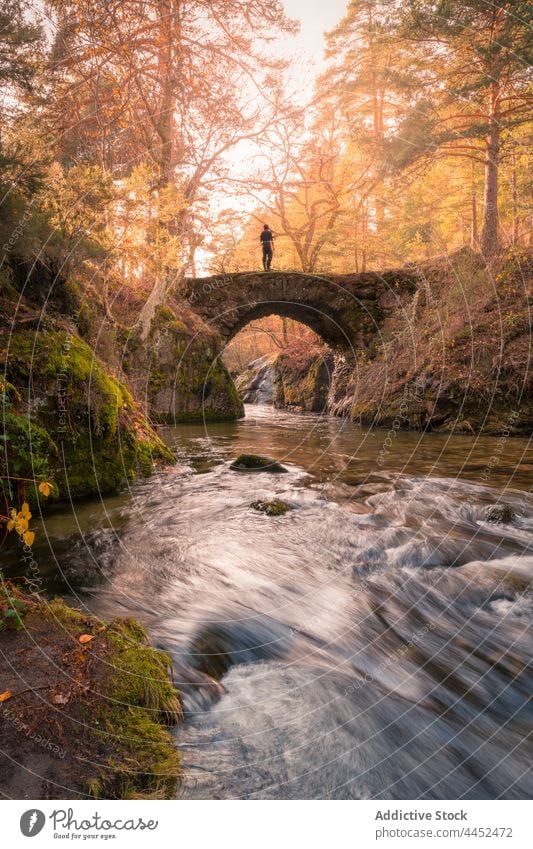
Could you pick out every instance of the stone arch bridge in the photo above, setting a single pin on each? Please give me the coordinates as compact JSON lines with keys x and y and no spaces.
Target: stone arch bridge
{"x":346,"y":311}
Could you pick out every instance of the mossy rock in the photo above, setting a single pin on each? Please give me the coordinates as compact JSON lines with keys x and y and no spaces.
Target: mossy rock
{"x":75,"y":421}
{"x":211,"y":655}
{"x":275,"y":507}
{"x":302,"y":384}
{"x":256,"y":463}
{"x":138,"y":701}
{"x":128,"y":711}
{"x":501,"y":514}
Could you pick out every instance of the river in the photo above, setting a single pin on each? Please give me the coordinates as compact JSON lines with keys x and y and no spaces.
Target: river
{"x":374,"y":642}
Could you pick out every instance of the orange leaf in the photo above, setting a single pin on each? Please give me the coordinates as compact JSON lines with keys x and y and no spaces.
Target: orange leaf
{"x":25,"y":511}
{"x":5,"y":695}
{"x":21,"y":524}
{"x":45,"y":488}
{"x":85,"y":638}
{"x":28,"y":537}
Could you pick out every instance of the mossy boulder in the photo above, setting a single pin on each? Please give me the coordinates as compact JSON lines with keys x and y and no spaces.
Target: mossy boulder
{"x":74,"y":422}
{"x":275,"y":507}
{"x":211,"y":654}
{"x":255,"y":463}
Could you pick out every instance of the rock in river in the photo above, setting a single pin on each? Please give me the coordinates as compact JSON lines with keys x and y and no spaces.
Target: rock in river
{"x":275,"y":507}
{"x":501,"y":514}
{"x":255,"y":463}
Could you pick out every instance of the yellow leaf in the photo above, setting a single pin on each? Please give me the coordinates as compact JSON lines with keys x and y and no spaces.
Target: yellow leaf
{"x":21,"y":524}
{"x":28,"y":537}
{"x":11,"y":524}
{"x":85,"y":638}
{"x":25,"y":511}
{"x":5,"y":695}
{"x":45,"y":488}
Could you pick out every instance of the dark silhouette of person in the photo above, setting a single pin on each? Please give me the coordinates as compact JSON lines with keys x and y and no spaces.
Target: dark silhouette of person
{"x":267,"y":240}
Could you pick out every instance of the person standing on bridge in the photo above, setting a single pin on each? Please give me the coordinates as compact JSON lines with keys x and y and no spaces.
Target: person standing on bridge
{"x":267,"y":240}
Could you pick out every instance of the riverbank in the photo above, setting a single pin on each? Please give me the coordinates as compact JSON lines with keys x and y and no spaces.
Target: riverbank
{"x":85,"y":705}
{"x":458,"y":360}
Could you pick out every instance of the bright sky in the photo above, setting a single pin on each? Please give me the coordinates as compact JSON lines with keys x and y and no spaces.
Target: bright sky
{"x":317,"y":17}
{"x":306,"y":50}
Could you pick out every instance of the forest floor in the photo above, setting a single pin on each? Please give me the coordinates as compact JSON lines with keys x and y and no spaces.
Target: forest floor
{"x":84,"y":706}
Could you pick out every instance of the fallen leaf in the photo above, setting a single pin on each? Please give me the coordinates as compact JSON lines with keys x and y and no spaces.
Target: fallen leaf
{"x":85,"y":638}
{"x":5,"y":695}
{"x":58,"y":699}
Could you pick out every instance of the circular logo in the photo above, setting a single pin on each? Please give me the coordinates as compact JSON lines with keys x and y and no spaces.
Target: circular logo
{"x":32,"y":822}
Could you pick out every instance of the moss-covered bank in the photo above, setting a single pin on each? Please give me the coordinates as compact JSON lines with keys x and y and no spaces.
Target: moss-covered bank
{"x":85,"y":705}
{"x":80,"y":389}
{"x":68,"y":418}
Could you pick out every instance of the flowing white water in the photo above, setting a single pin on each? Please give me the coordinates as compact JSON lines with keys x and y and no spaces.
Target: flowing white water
{"x":374,"y":642}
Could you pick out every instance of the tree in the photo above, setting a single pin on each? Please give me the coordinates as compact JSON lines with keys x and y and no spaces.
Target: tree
{"x":301,"y":184}
{"x":20,"y":43}
{"x":173,"y":85}
{"x":362,"y":80}
{"x":472,"y":65}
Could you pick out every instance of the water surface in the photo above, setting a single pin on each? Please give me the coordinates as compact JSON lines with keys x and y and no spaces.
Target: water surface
{"x":374,"y":642}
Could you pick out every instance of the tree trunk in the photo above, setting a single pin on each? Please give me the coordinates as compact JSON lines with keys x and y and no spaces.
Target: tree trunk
{"x":379,"y":204}
{"x":489,"y":233}
{"x":355,"y":239}
{"x":364,"y":231}
{"x":155,"y":299}
{"x":168,"y":61}
{"x":474,"y":237}
{"x":514,"y":192}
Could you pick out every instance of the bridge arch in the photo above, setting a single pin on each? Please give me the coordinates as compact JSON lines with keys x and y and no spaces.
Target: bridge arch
{"x":346,"y":311}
